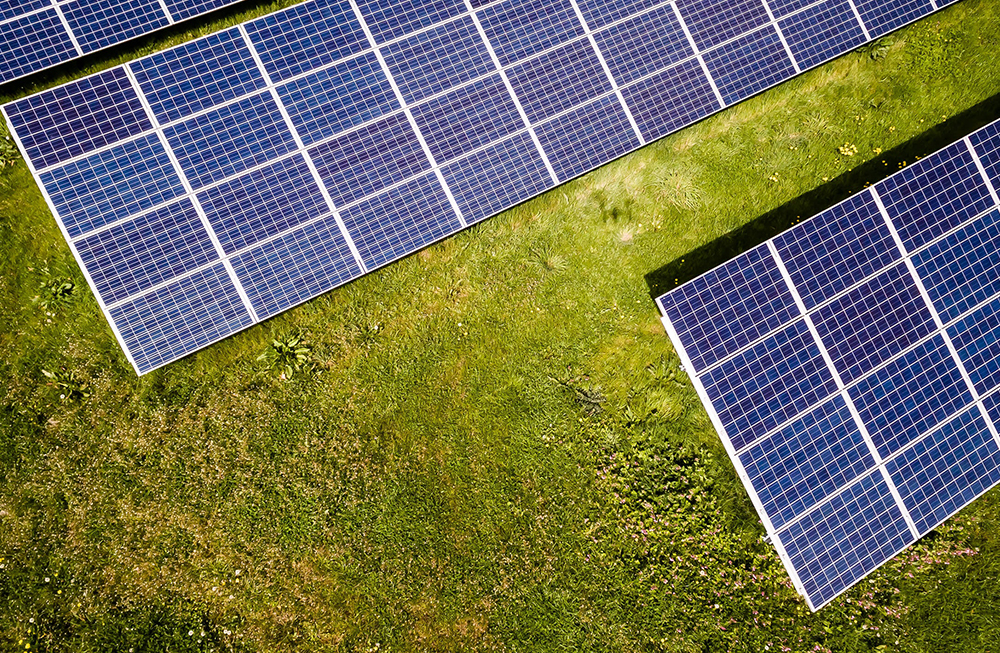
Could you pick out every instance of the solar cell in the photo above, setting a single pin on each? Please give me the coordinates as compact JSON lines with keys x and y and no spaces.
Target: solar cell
{"x":112,"y":184}
{"x":873,"y":322}
{"x":263,"y":202}
{"x":491,"y":179}
{"x":136,"y":255}
{"x":803,"y":463}
{"x":394,"y":122}
{"x":558,"y":80}
{"x":893,"y":339}
{"x":940,"y":474}
{"x":229,"y":140}
{"x":197,"y":75}
{"x":822,"y":32}
{"x":586,"y":137}
{"x":97,"y":24}
{"x":644,"y":44}
{"x":32,"y":42}
{"x":37,"y":34}
{"x":749,"y":64}
{"x":883,"y":16}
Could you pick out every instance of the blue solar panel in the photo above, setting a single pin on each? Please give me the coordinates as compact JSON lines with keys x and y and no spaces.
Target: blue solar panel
{"x":100,"y":23}
{"x":295,"y":267}
{"x":845,"y":538}
{"x":910,"y":396}
{"x":369,"y":159}
{"x":261,"y":203}
{"x":712,"y":22}
{"x":400,"y":221}
{"x":883,"y":16}
{"x":768,"y":384}
{"x":328,"y":101}
{"x":963,"y":269}
{"x":15,"y":8}
{"x":586,"y":137}
{"x":599,"y":13}
{"x":836,"y":249}
{"x":977,"y":339}
{"x":986,"y":142}
{"x":332,"y":113}
{"x":672,"y":99}
{"x":436,"y":60}
{"x":74,"y":119}
{"x":197,"y":75}
{"x":822,"y":32}
{"x":305,"y":37}
{"x":909,"y":423}
{"x":726,"y":309}
{"x":112,"y":184}
{"x":33,"y":42}
{"x":643,"y":45}
{"x":749,"y":64}
{"x":489,"y":181}
{"x":134,"y":256}
{"x":230,"y":139}
{"x":934,"y":195}
{"x":181,"y":317}
{"x":391,"y":19}
{"x":947,"y":469}
{"x":805,"y":462}
{"x":520,"y":28}
{"x":467,"y":118}
{"x":873,"y":322}
{"x":558,"y":80}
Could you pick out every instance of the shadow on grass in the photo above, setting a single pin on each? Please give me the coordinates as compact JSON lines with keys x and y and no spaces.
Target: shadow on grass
{"x":49,"y":77}
{"x":772,"y":223}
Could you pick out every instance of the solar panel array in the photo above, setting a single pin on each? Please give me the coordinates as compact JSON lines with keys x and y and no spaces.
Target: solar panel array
{"x":851,"y":365}
{"x":210,"y":186}
{"x":37,"y":34}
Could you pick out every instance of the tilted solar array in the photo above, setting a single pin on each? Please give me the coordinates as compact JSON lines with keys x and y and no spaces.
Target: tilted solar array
{"x":37,"y":34}
{"x":851,"y":365}
{"x":210,"y":186}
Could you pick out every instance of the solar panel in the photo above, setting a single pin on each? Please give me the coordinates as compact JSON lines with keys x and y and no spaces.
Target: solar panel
{"x":37,"y":34}
{"x":851,"y":365}
{"x":320,"y":142}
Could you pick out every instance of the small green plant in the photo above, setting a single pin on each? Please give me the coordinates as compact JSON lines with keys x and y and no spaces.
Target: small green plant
{"x":70,"y":386}
{"x":544,"y":256}
{"x":54,"y":291}
{"x":289,"y":356}
{"x":876,"y":50}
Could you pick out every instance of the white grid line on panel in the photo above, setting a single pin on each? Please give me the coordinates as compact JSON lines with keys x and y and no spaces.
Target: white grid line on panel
{"x":65,"y":24}
{"x":607,"y":71}
{"x":166,"y":12}
{"x":934,"y":314}
{"x":982,"y":170}
{"x":934,"y":5}
{"x":697,"y":53}
{"x":772,"y":534}
{"x":406,"y":110}
{"x":194,"y":200}
{"x":510,"y":90}
{"x":781,"y":36}
{"x":857,"y":15}
{"x":866,"y":436}
{"x":72,"y":247}
{"x":301,"y":149}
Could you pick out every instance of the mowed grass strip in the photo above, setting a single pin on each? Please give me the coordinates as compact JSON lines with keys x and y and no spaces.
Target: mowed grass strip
{"x":486,"y":446}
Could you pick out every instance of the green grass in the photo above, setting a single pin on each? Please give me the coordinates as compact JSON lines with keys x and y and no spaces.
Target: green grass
{"x":487,"y":446}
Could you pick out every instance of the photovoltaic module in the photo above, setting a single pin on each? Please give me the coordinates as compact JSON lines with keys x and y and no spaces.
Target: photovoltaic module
{"x":851,"y":365}
{"x":37,"y":34}
{"x":210,"y":186}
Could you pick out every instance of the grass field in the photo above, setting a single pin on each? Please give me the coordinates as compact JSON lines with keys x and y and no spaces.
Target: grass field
{"x":487,"y":446}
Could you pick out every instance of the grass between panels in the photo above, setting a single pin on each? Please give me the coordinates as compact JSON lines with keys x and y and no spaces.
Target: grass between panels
{"x":487,"y":446}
